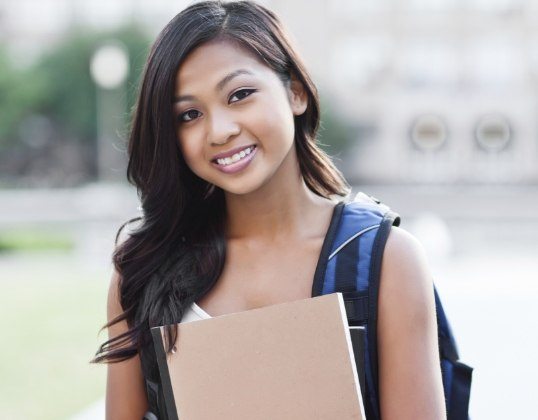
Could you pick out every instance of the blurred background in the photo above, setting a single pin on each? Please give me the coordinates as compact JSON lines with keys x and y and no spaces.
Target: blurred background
{"x":429,"y":105}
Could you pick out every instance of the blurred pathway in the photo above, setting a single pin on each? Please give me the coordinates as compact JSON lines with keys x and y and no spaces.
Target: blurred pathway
{"x":482,"y":246}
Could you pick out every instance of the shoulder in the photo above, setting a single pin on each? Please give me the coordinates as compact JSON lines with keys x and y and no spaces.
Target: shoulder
{"x":405,"y":271}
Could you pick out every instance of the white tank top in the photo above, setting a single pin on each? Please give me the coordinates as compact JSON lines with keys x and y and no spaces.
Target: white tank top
{"x":194,"y":313}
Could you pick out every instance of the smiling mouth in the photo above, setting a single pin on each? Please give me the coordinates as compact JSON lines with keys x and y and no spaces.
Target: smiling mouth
{"x":235,"y":157}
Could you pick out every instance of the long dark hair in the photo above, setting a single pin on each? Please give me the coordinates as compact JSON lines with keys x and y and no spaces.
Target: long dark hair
{"x":177,"y":251}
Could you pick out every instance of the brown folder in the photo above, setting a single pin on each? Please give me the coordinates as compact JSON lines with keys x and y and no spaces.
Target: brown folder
{"x":290,"y":361}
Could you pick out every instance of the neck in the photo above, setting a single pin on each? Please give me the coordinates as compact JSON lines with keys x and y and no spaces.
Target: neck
{"x":282,"y":208}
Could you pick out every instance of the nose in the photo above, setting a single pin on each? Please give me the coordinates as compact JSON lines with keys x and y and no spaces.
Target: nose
{"x":221,"y":128}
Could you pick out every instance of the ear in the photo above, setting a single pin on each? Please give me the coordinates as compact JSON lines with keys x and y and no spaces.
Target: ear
{"x":297,"y":95}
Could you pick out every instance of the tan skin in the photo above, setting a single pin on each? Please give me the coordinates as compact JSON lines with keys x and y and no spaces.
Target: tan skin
{"x":276,"y":224}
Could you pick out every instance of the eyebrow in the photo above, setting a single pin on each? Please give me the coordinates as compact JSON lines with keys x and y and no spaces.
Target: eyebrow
{"x":220,"y":85}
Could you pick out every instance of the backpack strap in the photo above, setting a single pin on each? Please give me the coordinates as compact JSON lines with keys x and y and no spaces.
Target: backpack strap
{"x":353,"y":268}
{"x":389,"y":219}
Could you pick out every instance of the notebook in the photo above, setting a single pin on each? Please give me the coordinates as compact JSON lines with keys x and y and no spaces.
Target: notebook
{"x":289,"y":361}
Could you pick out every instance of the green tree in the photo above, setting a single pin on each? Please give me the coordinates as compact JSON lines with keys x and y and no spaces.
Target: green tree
{"x":59,"y":87}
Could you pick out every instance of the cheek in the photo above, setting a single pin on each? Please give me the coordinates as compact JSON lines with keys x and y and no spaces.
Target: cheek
{"x":191,"y":151}
{"x":275,"y":123}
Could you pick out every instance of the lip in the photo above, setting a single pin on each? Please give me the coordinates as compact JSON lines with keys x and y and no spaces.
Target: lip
{"x":237,"y":166}
{"x":231,"y":152}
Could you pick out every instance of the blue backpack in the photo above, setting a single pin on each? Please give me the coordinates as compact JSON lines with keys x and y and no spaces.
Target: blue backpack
{"x":350,"y":263}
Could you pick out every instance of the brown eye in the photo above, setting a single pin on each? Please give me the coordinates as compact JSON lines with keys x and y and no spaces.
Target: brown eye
{"x":242,"y":93}
{"x":191,"y":114}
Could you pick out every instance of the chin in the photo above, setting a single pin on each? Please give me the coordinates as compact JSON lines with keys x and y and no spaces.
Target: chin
{"x":239,"y":188}
{"x":242,"y":185}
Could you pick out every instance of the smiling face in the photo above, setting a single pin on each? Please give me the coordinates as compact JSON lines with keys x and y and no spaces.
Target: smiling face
{"x":234,"y":117}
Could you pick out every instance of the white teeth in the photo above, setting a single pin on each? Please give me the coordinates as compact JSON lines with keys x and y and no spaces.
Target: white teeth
{"x":236,"y":157}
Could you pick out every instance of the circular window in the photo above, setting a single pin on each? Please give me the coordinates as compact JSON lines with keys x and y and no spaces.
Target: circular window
{"x":429,"y":132}
{"x":493,"y":132}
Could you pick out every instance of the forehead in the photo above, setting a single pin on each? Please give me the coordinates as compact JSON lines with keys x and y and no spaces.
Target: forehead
{"x":207,"y":63}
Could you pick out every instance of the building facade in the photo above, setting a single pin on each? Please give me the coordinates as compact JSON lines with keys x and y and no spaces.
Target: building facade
{"x":447,"y":89}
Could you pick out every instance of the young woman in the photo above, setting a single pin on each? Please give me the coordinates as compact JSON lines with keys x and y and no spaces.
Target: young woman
{"x":237,"y":199}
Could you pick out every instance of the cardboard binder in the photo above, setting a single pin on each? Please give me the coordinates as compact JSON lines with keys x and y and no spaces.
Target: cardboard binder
{"x":290,"y":361}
